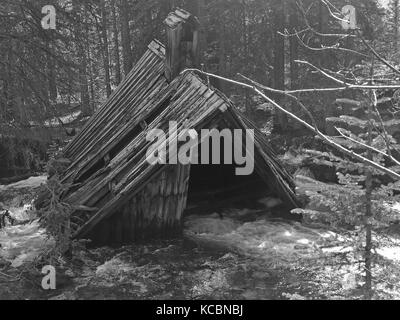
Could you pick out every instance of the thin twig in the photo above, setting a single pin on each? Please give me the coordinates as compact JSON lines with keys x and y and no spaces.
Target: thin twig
{"x":344,"y":83}
{"x":335,"y":48}
{"x":367,"y":146}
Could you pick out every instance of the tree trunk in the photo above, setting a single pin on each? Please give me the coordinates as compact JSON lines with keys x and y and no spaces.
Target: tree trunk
{"x":116,"y":43}
{"x":91,"y":73}
{"x":84,"y":91}
{"x":396,"y":24}
{"x":368,"y":226}
{"x":323,"y":17}
{"x":280,"y":122}
{"x":368,"y":205}
{"x":106,"y":55}
{"x":83,"y":63}
{"x":52,"y":81}
{"x":294,"y":48}
{"x":125,"y":36}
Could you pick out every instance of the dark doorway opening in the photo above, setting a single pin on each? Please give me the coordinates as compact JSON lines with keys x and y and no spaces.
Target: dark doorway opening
{"x":213,"y":187}
{"x":216,"y":187}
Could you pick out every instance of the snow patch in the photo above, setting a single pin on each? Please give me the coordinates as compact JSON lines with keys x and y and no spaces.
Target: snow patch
{"x":32,"y":182}
{"x":391,"y":253}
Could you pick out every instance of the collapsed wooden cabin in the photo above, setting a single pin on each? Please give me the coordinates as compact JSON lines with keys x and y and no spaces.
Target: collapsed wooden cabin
{"x":132,"y":199}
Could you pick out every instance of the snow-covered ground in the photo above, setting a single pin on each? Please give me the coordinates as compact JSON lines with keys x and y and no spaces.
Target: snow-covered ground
{"x":32,"y":182}
{"x":55,"y":122}
{"x":67,"y":119}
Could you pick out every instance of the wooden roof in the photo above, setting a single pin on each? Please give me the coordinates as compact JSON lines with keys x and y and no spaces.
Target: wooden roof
{"x":109,"y":156}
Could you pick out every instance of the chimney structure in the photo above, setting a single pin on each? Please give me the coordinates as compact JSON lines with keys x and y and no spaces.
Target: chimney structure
{"x":182,"y":51}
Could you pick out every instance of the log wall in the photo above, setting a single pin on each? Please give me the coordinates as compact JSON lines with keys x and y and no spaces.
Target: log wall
{"x":156,"y":212}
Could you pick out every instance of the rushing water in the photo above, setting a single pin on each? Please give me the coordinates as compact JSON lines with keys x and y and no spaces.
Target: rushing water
{"x":219,"y":258}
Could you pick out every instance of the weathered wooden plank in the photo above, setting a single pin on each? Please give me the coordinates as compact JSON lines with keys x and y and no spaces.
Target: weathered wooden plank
{"x":106,"y":147}
{"x":139,"y":83}
{"x":105,"y":109}
{"x":110,"y":126}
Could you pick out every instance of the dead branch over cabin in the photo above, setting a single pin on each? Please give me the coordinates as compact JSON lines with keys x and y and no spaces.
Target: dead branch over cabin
{"x":131,"y":200}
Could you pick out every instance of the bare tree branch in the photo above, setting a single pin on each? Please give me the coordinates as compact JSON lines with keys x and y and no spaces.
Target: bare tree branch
{"x":367,"y":146}
{"x":344,"y":83}
{"x":325,"y":138}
